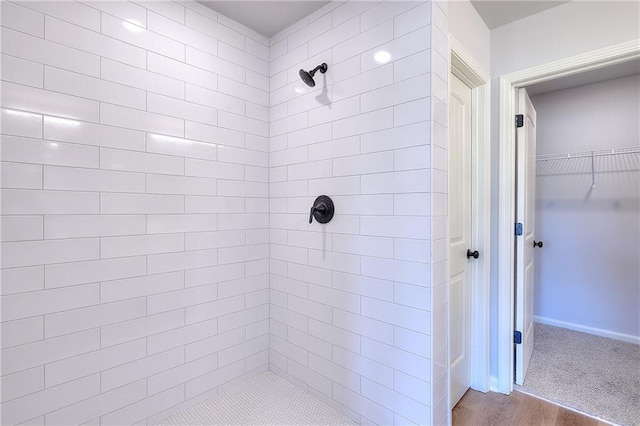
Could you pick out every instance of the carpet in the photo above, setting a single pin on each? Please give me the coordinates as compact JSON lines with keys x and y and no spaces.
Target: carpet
{"x":592,"y":374}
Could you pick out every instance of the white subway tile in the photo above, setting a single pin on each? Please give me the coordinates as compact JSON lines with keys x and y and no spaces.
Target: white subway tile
{"x":139,"y":245}
{"x":395,"y":226}
{"x":142,"y":327}
{"x":213,"y":134}
{"x":67,"y":274}
{"x":139,"y":411}
{"x":75,"y":367}
{"x":242,"y":189}
{"x":205,"y":204}
{"x":78,"y":226}
{"x":50,"y":399}
{"x":214,"y":379}
{"x":213,"y":169}
{"x":335,"y":36}
{"x":363,"y":123}
{"x":129,"y":288}
{"x":140,"y":204}
{"x":20,"y":280}
{"x":27,"y":253}
{"x":412,"y":112}
{"x":181,"y":260}
{"x":367,"y":246}
{"x":242,"y":253}
{"x":403,"y":316}
{"x":209,"y":345}
{"x":140,"y":369}
{"x":89,"y":41}
{"x":21,"y":228}
{"x":22,"y":383}
{"x":181,"y":33}
{"x":238,"y":122}
{"x":181,"y":374}
{"x":22,"y":18}
{"x":37,"y":100}
{"x":215,"y":99}
{"x":396,"y":138}
{"x":397,"y":182}
{"x":242,"y":60}
{"x":214,"y":274}
{"x":177,"y":108}
{"x":24,"y":305}
{"x":377,"y":413}
{"x":411,"y":341}
{"x":396,"y":270}
{"x":92,"y":317}
{"x":396,"y":358}
{"x":214,"y":29}
{"x":26,"y":150}
{"x":199,"y":74}
{"x":73,"y":12}
{"x":140,"y":120}
{"x":21,"y":123}
{"x":211,"y":310}
{"x":419,"y":413}
{"x":411,"y":20}
{"x":49,"y":350}
{"x":398,"y":48}
{"x":76,"y":84}
{"x":77,"y":179}
{"x":17,"y":201}
{"x":181,"y":298}
{"x":21,"y":71}
{"x":124,"y":10}
{"x":133,"y":34}
{"x":412,"y":66}
{"x":164,"y":224}
{"x":163,"y":184}
{"x":116,"y":159}
{"x":398,"y":93}
{"x":20,"y":176}
{"x":92,"y":134}
{"x":20,"y":332}
{"x":172,"y":10}
{"x":99,"y":405}
{"x":142,"y":79}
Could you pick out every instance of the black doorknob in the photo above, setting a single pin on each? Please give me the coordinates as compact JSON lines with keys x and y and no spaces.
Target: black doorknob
{"x":537,"y":244}
{"x":322,"y":209}
{"x":474,"y":254}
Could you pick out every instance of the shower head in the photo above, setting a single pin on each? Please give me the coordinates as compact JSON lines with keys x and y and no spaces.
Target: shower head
{"x":307,"y":76}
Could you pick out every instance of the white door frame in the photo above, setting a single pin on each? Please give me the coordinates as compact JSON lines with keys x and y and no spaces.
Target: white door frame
{"x":509,"y":85}
{"x":472,"y":74}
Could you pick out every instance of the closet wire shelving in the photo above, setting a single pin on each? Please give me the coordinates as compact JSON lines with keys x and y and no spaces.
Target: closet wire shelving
{"x":551,"y":164}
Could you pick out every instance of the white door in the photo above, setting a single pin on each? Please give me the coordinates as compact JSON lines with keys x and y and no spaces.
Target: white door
{"x":525,"y":215}
{"x":459,"y":237}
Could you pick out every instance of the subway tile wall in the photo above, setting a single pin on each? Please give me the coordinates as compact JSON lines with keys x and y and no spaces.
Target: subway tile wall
{"x":351,"y":301}
{"x":135,"y":206}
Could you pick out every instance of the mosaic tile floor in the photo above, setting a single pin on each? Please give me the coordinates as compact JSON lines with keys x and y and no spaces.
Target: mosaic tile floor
{"x":263,"y":400}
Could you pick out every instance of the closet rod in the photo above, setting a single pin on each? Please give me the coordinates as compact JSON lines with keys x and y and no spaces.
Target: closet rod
{"x":589,"y":154}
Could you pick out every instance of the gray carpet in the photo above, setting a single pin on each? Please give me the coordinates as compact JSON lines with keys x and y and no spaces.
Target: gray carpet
{"x":592,"y":374}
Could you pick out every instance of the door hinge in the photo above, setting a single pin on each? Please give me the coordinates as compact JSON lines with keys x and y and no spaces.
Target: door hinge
{"x":517,"y":337}
{"x":519,"y":120}
{"x":518,"y":228}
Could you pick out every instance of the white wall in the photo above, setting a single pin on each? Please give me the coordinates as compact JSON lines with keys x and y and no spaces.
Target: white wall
{"x":588,"y":272}
{"x":566,"y":30}
{"x":135,"y":209}
{"x":467,"y":28}
{"x":351,"y":300}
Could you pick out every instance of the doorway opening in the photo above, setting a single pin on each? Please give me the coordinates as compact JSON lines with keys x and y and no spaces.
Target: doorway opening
{"x":513,"y":369}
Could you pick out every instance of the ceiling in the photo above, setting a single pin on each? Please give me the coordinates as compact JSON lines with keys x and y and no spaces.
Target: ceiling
{"x":269,"y":17}
{"x":498,"y":13}
{"x":266,"y":17}
{"x":624,"y":69}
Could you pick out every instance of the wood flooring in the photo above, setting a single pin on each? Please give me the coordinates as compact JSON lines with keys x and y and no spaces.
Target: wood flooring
{"x":477,"y":408}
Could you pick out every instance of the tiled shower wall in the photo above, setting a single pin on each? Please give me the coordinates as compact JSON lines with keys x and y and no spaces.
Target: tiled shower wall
{"x":351,"y":300}
{"x":135,"y":209}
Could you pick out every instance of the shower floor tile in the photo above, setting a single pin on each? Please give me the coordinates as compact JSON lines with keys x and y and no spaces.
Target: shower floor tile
{"x":263,"y":400}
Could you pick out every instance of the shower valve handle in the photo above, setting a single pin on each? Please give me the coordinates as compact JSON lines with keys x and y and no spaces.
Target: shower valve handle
{"x":320,"y":208}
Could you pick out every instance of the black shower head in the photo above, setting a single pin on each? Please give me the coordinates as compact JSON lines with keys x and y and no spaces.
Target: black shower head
{"x":307,"y":76}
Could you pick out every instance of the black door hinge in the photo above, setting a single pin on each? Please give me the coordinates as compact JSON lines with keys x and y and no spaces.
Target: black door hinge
{"x":518,"y":228}
{"x":519,"y":120}
{"x":517,"y":337}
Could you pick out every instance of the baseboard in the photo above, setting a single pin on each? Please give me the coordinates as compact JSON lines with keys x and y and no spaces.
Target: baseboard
{"x":591,"y":330}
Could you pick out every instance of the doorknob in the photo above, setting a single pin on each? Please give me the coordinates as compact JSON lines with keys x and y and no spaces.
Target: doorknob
{"x":474,"y":254}
{"x":322,"y":209}
{"x":537,"y":244}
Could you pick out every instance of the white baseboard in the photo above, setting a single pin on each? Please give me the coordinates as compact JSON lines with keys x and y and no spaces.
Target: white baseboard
{"x":591,"y":330}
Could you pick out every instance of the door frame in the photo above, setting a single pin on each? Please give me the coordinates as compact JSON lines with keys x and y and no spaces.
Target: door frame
{"x":508,"y":86}
{"x":463,"y":65}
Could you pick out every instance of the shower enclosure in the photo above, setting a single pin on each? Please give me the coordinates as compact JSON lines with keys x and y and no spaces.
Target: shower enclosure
{"x":159,"y":161}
